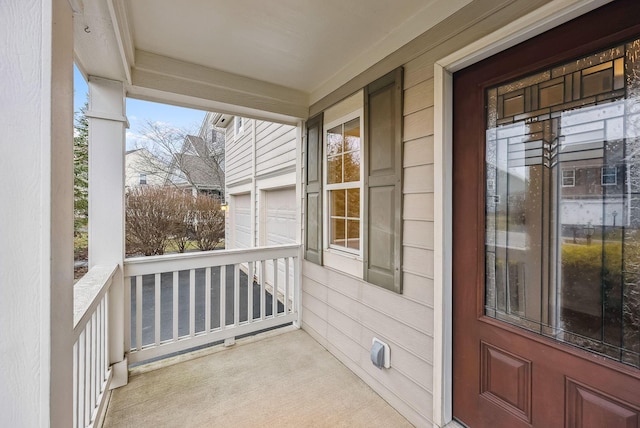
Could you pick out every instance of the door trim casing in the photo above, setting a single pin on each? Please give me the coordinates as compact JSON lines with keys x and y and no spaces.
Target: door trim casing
{"x":551,"y":15}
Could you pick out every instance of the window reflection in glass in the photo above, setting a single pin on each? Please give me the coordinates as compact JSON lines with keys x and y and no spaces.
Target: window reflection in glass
{"x":343,"y":149}
{"x":563,"y":203}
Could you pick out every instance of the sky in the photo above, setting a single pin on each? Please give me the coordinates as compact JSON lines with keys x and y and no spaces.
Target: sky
{"x":139,"y":112}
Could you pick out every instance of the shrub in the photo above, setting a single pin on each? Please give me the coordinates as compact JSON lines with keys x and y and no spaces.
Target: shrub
{"x":592,"y":256}
{"x":151,"y":217}
{"x":182,"y":229}
{"x":208,"y":222}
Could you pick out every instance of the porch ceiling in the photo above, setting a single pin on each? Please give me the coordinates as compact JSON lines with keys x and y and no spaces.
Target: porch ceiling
{"x":245,"y":56}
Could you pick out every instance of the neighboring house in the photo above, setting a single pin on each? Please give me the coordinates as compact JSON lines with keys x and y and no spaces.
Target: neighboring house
{"x":143,"y":169}
{"x":196,"y":168}
{"x":396,"y":107}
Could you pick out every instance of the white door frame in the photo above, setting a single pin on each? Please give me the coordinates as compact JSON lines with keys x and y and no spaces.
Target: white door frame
{"x":546,"y":17}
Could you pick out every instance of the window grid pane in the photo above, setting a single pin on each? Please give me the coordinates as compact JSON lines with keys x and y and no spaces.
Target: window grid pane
{"x":343,"y":151}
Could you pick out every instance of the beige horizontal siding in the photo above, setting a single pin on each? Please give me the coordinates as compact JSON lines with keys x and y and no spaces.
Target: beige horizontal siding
{"x":417,"y":287}
{"x":342,"y":312}
{"x":345,"y":314}
{"x":418,"y":234}
{"x":418,"y":124}
{"x":418,"y":206}
{"x":418,"y":97}
{"x":418,"y":152}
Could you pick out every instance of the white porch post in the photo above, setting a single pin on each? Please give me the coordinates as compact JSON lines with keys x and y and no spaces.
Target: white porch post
{"x":36,"y":214}
{"x":107,"y":124}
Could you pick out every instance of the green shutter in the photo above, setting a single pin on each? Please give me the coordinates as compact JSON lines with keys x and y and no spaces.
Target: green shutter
{"x":382,"y":240}
{"x":313,"y":196}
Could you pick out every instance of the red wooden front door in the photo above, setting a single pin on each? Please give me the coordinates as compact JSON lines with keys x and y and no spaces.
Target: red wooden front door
{"x":546,"y":239}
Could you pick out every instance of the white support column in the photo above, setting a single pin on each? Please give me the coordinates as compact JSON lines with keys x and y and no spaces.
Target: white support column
{"x":107,"y":124}
{"x":254,"y":196}
{"x":36,"y":213}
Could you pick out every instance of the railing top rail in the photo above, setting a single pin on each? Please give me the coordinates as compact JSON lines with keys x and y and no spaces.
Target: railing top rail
{"x":88,"y":292}
{"x":185,"y":261}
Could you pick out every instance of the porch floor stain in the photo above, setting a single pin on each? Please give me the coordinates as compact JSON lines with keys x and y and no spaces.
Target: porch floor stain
{"x":283,"y":380}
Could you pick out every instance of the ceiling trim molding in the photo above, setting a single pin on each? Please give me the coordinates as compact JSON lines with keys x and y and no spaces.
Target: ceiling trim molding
{"x":201,"y":102}
{"x":164,"y":74}
{"x":124,"y":34}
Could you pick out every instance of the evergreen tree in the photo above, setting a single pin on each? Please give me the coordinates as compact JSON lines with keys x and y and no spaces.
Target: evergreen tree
{"x":81,"y":169}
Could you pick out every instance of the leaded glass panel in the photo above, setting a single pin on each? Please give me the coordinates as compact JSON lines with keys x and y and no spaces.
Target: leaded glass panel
{"x":563,"y":203}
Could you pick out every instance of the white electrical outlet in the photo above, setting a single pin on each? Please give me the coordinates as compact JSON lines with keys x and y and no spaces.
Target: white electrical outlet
{"x":377,"y":347}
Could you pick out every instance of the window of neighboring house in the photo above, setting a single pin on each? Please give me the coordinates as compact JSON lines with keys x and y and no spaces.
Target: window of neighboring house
{"x":343,"y":157}
{"x":239,"y":125}
{"x":609,"y":175}
{"x":143,"y":179}
{"x":568,"y":177}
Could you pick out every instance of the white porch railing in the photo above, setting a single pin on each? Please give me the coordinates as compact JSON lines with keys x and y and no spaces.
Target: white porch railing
{"x":91,"y":371}
{"x":177,"y":302}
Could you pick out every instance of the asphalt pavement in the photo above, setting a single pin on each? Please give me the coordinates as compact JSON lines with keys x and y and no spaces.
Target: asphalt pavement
{"x":166,"y":303}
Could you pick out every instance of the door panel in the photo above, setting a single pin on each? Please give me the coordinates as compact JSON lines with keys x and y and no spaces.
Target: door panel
{"x":546,"y":331}
{"x":241,"y":220}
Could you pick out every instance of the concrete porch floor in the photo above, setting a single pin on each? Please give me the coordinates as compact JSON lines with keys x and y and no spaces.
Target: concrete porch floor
{"x":282,"y":378}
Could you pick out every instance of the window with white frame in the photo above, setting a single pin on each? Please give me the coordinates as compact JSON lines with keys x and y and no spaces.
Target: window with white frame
{"x":143,"y":179}
{"x":609,"y":176}
{"x":568,"y":177}
{"x":352,"y":207}
{"x":343,"y":154}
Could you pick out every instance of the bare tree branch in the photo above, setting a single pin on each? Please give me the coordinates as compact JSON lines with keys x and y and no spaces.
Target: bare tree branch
{"x":182,"y":159}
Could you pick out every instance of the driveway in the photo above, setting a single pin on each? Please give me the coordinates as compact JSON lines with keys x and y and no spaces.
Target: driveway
{"x":166,"y":303}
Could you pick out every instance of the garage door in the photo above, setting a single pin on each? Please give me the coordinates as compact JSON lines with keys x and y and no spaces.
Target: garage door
{"x":241,"y":220}
{"x":279,"y":229}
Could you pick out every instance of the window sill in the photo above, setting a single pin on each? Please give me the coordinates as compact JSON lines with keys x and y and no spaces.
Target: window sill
{"x":350,"y":264}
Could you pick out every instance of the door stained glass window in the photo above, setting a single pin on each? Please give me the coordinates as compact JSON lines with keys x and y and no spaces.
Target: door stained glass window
{"x":563,"y":203}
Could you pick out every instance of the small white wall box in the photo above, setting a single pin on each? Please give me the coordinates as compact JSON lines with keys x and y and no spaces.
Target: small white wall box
{"x":380,"y":355}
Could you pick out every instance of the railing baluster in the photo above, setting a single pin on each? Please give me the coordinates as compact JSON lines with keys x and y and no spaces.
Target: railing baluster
{"x":223,"y":296}
{"x":175,"y":306}
{"x":250,"y":293}
{"x":76,"y":401}
{"x":100,"y":377}
{"x":192,"y":302}
{"x":87,"y":374}
{"x":297,"y":291}
{"x":286,"y":285}
{"x":102,"y":344}
{"x":256,"y":262}
{"x":207,"y":300}
{"x":127,"y":313}
{"x":106,"y":336}
{"x":236,"y":295}
{"x":274,"y":298}
{"x":94,"y":359}
{"x":90,"y":349}
{"x":139,"y":312}
{"x":157,"y":306}
{"x":81,"y":375}
{"x":263,"y":295}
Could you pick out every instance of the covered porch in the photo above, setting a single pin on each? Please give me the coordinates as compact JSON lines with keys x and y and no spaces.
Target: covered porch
{"x":70,"y":353}
{"x":282,"y":377}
